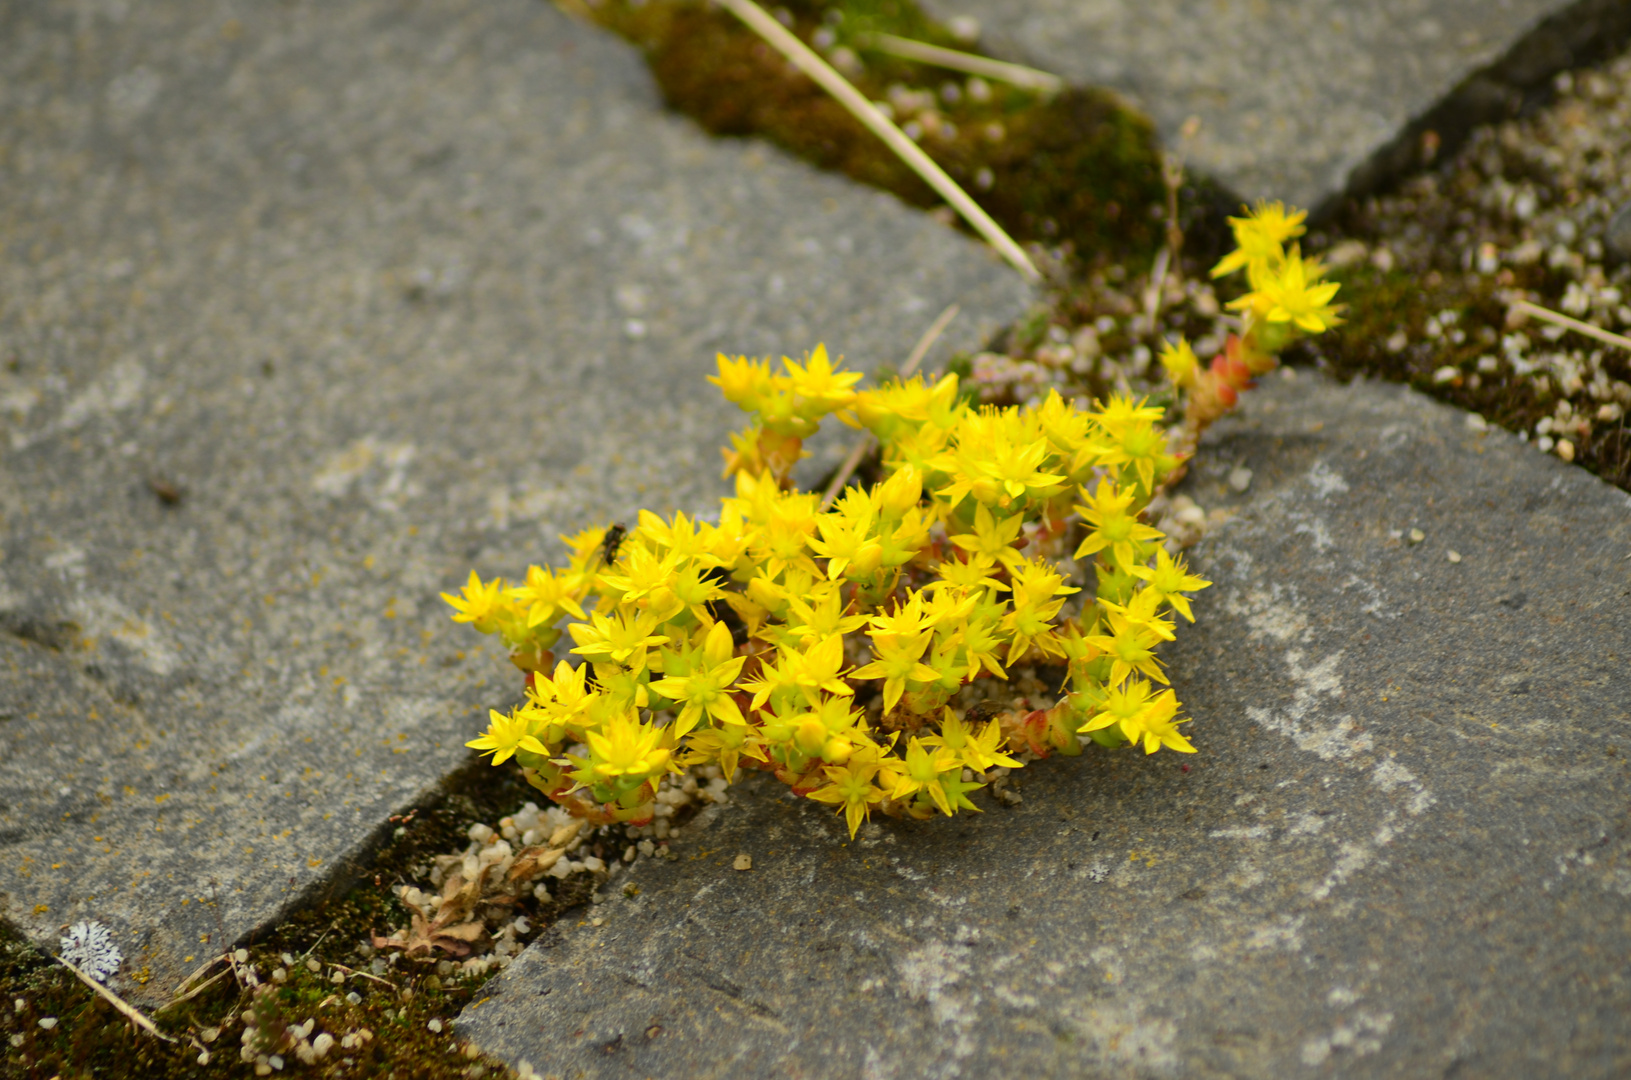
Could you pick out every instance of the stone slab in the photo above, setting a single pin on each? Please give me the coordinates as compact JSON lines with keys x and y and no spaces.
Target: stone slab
{"x":1305,"y":100}
{"x":1403,"y":849}
{"x":381,"y":291}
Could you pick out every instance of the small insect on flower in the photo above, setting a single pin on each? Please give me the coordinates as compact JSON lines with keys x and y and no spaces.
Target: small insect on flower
{"x":89,"y":947}
{"x":611,"y":542}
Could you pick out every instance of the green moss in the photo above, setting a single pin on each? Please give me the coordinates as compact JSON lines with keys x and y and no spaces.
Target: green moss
{"x":1382,"y":304}
{"x":1080,"y":170}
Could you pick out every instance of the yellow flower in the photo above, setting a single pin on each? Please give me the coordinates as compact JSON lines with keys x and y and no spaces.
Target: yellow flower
{"x":850,"y":788}
{"x":565,"y":697}
{"x":1170,"y":579}
{"x":820,"y":384}
{"x":1113,"y":527}
{"x":979,"y":752}
{"x":482,"y":606}
{"x":1161,"y":726}
{"x":897,"y":664}
{"x":1291,"y":293}
{"x":741,"y":380}
{"x":622,"y":753}
{"x":1131,"y":707}
{"x":906,"y":620}
{"x":829,"y":730}
{"x":1180,"y":361}
{"x":505,"y":735}
{"x":820,"y":614}
{"x":1140,"y":448}
{"x":1039,"y":593}
{"x":967,"y":574}
{"x":546,"y":596}
{"x":819,"y":667}
{"x":622,"y":640}
{"x":848,"y":538}
{"x":935,"y":773}
{"x":1131,"y":648}
{"x":706,"y":689}
{"x":1260,"y":235}
{"x":992,"y":538}
{"x":727,"y":745}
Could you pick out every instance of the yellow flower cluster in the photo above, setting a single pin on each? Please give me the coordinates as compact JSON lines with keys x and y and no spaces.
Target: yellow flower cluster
{"x":1288,"y":299}
{"x":830,"y":645}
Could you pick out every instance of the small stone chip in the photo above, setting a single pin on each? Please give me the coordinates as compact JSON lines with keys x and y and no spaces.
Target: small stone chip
{"x":1416,"y":536}
{"x":435,"y":1026}
{"x":48,"y":1022}
{"x":1453,"y":556}
{"x":1565,"y":449}
{"x":1240,"y":478}
{"x":743,"y":862}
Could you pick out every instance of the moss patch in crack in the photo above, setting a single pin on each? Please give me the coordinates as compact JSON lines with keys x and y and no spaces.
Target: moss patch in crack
{"x":1522,"y":212}
{"x":396,"y":1008}
{"x":1080,"y":169}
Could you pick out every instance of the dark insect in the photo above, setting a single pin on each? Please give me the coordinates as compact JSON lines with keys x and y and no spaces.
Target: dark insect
{"x":609,"y":545}
{"x":168,"y":493}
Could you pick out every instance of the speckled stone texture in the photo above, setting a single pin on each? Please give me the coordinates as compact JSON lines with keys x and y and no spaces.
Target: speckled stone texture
{"x":380,"y":290}
{"x":1403,"y":850}
{"x":1305,"y":100}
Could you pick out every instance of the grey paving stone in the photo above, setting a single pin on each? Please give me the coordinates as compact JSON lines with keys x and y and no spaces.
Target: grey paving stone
{"x":380,"y":290}
{"x":1403,"y":849}
{"x":1305,"y":99}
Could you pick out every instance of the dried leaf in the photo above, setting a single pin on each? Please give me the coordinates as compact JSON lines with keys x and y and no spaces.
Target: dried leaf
{"x":534,"y":862}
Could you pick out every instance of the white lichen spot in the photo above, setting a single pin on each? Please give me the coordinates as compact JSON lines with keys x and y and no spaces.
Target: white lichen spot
{"x":928,"y":974}
{"x":103,"y":618}
{"x":89,"y":947}
{"x":1284,"y":933}
{"x":1270,"y":613}
{"x":118,"y":389}
{"x":1305,"y":824}
{"x":1314,"y":528}
{"x":1330,"y":740}
{"x":1389,"y":774}
{"x":1240,"y":832}
{"x":1326,"y":481}
{"x":1121,"y":1035}
{"x":354,"y":465}
{"x":1360,"y":1036}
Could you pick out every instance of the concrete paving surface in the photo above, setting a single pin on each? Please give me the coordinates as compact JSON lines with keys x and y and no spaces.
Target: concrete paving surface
{"x":305,"y":309}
